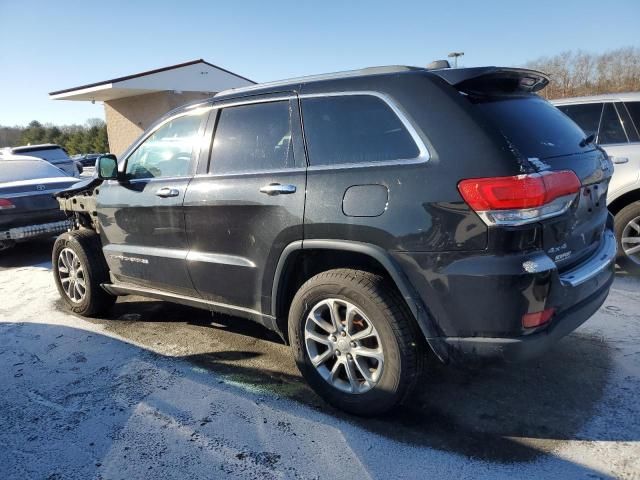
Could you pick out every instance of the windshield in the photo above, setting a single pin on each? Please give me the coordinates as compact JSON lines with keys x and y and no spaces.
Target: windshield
{"x":534,"y":126}
{"x":48,"y":154}
{"x":16,"y":170}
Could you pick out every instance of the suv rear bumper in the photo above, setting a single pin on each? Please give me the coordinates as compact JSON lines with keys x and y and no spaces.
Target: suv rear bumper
{"x":528,"y":346}
{"x":478,"y":302}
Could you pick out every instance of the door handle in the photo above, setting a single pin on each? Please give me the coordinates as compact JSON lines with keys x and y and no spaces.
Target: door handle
{"x":619,"y":160}
{"x":165,"y":192}
{"x":277,"y":189}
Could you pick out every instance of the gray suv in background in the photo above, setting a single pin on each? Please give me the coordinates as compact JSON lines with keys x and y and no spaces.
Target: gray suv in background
{"x":52,"y":153}
{"x":614,"y":121}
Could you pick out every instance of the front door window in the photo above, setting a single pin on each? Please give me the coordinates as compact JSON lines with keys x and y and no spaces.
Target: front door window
{"x":167,"y":152}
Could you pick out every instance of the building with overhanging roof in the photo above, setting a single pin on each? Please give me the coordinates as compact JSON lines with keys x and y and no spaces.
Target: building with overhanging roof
{"x":133,"y":102}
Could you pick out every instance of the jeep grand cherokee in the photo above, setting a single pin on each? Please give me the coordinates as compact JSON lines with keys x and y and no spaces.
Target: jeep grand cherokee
{"x":374,"y":218}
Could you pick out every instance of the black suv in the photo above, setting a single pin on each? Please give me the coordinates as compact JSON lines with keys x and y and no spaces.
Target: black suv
{"x":369,"y":217}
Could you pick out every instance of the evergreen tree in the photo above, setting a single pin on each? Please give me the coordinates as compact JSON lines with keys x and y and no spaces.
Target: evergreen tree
{"x":89,"y":138}
{"x":34,"y":133}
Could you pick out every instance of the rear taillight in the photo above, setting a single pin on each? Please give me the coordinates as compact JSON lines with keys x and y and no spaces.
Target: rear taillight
{"x":5,"y":204}
{"x":532,"y":320}
{"x":520,"y":199}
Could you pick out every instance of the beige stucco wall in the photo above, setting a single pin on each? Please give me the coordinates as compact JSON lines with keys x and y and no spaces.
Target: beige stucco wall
{"x":128,"y":117}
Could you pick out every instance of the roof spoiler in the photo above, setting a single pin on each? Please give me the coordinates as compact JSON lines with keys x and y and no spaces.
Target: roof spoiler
{"x":494,"y":80}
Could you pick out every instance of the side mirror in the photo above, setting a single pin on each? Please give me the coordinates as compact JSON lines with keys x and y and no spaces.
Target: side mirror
{"x":107,"y":167}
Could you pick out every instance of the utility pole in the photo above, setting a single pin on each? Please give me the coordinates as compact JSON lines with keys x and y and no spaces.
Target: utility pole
{"x":455,"y":56}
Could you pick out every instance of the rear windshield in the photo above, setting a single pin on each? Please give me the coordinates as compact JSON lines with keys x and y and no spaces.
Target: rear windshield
{"x":533,"y":126}
{"x":48,"y":154}
{"x":16,"y":170}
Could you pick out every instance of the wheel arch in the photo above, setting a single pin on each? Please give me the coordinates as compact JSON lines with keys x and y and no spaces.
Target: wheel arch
{"x":623,"y":200}
{"x":86,"y":245}
{"x":334,"y":255}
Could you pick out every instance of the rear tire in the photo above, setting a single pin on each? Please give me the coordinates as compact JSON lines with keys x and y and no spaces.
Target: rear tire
{"x":372,"y":375}
{"x":79,"y":268}
{"x":627,"y":226}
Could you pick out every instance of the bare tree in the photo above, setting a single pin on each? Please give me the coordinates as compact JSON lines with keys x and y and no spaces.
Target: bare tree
{"x":575,"y":73}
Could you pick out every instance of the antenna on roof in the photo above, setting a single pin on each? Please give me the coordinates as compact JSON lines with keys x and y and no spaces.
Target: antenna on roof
{"x":455,"y":56}
{"x":438,"y":64}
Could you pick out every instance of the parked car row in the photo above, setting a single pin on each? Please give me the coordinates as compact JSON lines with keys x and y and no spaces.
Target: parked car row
{"x":376,"y":219}
{"x":29,"y":176}
{"x":28,"y":208}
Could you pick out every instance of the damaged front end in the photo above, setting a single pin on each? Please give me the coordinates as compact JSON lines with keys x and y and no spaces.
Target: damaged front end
{"x":79,"y":203}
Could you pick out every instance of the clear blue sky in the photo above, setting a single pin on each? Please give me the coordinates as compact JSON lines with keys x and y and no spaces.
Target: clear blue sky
{"x":56,"y":44}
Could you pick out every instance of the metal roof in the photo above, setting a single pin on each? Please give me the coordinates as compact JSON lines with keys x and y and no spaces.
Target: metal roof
{"x":196,"y":75}
{"x":322,"y":77}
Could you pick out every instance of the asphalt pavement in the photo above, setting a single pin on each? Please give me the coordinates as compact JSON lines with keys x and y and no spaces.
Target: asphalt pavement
{"x":162,"y":390}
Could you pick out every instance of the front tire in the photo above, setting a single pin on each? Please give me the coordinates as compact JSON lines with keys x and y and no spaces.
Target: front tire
{"x":354,"y":341}
{"x":79,"y":268}
{"x":627,"y":230}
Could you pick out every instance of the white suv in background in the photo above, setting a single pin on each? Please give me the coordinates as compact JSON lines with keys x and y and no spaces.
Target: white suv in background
{"x":614,"y":120}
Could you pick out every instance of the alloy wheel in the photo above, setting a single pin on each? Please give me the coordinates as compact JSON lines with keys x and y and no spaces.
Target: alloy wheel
{"x":71,"y":274}
{"x":630,"y":240}
{"x":343,"y":346}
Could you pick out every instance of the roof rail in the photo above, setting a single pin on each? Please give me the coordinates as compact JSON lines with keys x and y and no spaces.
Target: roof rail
{"x":325,"y":76}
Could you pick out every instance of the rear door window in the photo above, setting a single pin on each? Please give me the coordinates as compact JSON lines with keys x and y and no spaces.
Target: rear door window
{"x":352,"y":129}
{"x":627,"y":124}
{"x":533,"y":126}
{"x":586,"y":115}
{"x":633,"y":108}
{"x":611,"y":130}
{"x":255,"y":137}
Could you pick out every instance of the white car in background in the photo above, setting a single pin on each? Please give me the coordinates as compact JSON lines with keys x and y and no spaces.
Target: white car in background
{"x":614,"y":122}
{"x":52,"y":153}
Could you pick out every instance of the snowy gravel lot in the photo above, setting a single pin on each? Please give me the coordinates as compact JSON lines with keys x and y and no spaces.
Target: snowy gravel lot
{"x":164,"y":391}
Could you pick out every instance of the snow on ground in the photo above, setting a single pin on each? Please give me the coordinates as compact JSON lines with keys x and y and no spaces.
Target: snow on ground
{"x":168,"y":392}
